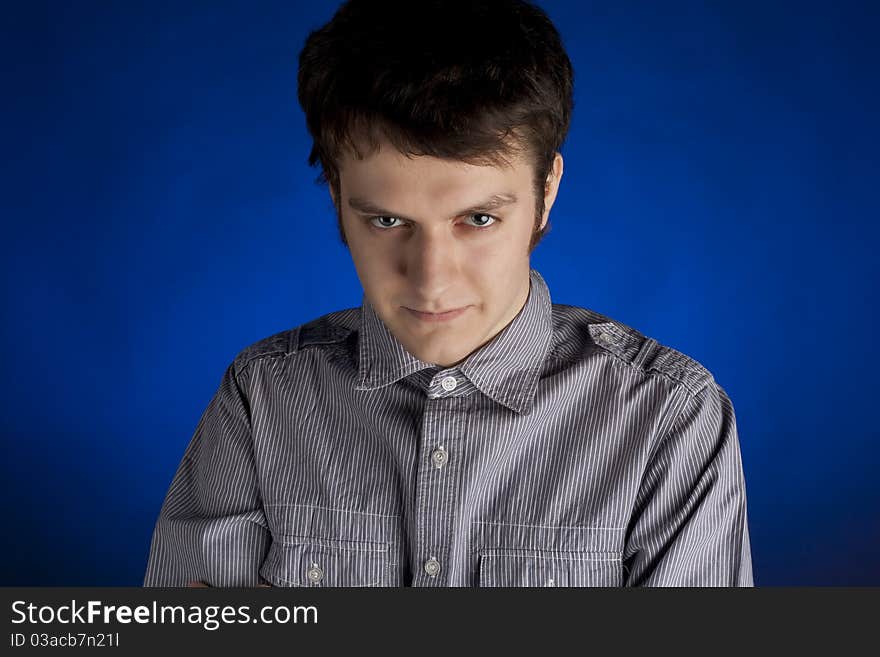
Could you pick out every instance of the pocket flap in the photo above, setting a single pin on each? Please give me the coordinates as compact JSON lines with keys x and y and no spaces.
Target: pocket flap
{"x":321,"y":546}
{"x":517,"y":567}
{"x":297,"y":520}
{"x":322,"y":563}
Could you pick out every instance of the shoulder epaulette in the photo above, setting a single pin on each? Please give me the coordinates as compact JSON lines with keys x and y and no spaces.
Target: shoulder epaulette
{"x":648,"y":355}
{"x":327,"y":329}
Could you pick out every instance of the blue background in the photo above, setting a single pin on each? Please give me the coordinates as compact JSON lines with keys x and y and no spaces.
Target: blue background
{"x":720,"y":195}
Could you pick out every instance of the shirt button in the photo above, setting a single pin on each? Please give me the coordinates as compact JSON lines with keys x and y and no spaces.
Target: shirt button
{"x":315,"y":574}
{"x":432,"y":567}
{"x":439,"y":456}
{"x":449,"y":383}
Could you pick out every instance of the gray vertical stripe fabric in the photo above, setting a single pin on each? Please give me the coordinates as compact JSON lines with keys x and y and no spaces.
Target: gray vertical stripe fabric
{"x":571,"y":450}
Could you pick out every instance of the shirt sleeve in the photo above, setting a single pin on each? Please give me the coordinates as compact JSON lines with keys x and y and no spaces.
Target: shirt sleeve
{"x":690,"y":525}
{"x":212,"y":527}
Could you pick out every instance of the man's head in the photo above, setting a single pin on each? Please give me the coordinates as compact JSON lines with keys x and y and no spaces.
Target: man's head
{"x":437,"y":126}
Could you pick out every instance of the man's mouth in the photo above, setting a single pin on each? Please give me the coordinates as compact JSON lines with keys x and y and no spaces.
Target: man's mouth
{"x":437,"y":317}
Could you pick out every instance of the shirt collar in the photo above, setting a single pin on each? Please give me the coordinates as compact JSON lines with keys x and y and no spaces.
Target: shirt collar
{"x":507,"y":368}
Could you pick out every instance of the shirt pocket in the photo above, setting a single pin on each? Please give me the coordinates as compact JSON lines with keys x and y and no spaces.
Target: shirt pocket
{"x":314,"y":546}
{"x":511,"y":567}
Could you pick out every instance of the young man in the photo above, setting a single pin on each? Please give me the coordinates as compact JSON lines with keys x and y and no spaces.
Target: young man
{"x":458,"y":429}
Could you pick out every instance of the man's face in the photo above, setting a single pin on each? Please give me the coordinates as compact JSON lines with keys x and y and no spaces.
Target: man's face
{"x":435,"y":235}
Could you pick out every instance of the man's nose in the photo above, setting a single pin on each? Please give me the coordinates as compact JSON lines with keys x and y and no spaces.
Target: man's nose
{"x":432,"y":264}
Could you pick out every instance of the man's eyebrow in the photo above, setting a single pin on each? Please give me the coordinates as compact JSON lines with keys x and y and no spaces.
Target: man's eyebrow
{"x":492,"y":203}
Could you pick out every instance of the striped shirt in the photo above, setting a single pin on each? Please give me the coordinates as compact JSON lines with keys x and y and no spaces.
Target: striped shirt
{"x":570,"y":450}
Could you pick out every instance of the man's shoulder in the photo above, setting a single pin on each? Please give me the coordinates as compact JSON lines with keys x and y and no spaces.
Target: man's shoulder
{"x":331,"y":328}
{"x":579,"y":329}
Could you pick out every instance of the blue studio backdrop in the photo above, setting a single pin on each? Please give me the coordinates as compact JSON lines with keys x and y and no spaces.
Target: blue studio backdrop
{"x":720,"y":195}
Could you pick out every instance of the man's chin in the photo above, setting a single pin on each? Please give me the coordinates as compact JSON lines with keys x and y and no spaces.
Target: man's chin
{"x":439,"y":357}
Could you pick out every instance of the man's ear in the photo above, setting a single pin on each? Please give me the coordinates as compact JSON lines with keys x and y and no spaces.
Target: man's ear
{"x":551,"y":187}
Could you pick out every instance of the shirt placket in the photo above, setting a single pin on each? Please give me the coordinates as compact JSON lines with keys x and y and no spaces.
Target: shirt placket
{"x":438,"y":465}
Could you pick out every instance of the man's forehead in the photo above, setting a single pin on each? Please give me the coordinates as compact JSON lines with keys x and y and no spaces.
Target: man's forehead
{"x":425,"y":184}
{"x":364,"y":150}
{"x":480,"y":203}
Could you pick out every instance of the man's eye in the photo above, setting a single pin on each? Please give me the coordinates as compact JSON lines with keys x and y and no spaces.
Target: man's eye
{"x":383,"y":220}
{"x":488,"y":218}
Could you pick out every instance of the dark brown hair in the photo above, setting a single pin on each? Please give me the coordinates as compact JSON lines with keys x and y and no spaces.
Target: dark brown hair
{"x":470,"y":80}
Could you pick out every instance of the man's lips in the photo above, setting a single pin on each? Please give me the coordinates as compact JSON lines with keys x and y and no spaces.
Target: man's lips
{"x":437,"y":317}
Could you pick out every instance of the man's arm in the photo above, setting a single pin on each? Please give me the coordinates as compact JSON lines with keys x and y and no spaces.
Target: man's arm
{"x":212,"y":528}
{"x":689,"y":526}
